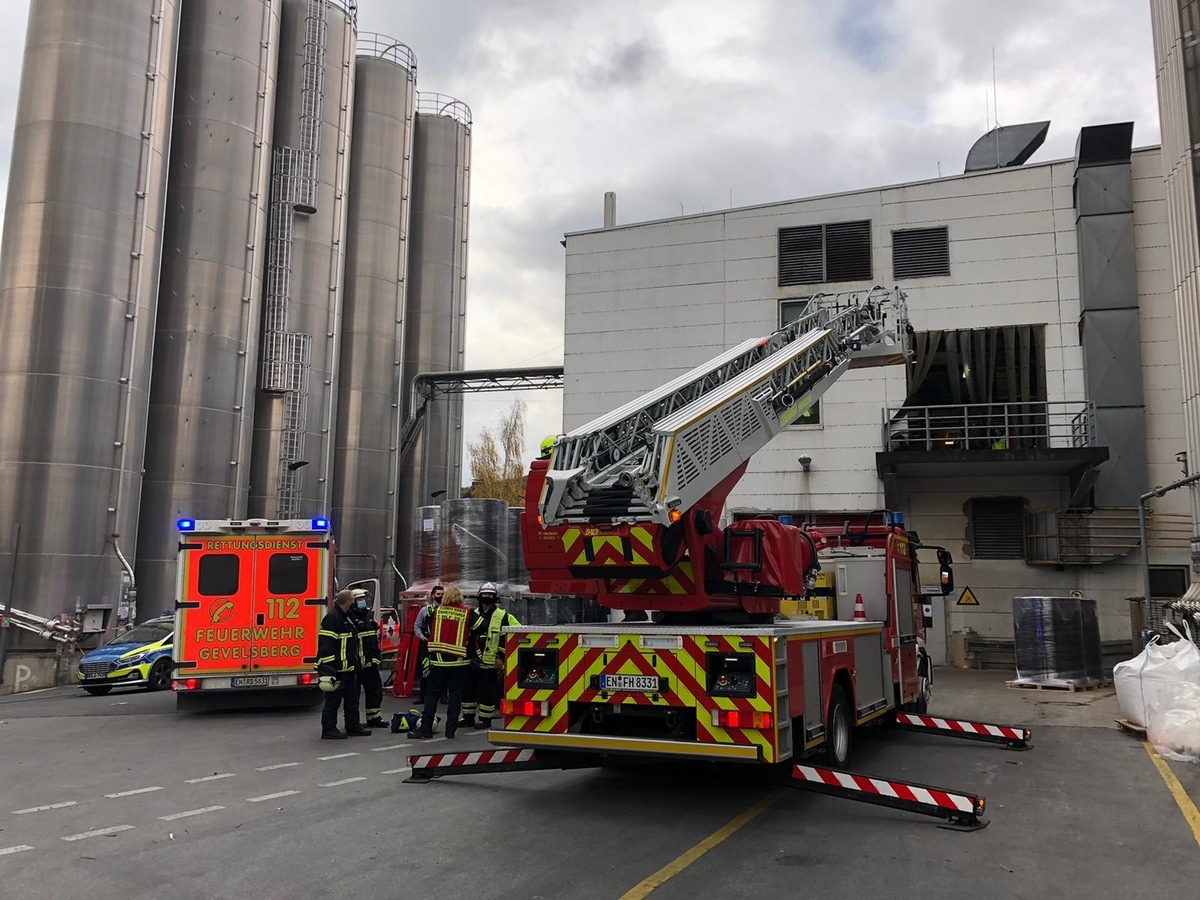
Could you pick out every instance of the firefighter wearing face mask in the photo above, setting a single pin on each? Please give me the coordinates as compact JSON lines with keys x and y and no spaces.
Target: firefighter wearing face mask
{"x":487,"y":671}
{"x":366,"y":631}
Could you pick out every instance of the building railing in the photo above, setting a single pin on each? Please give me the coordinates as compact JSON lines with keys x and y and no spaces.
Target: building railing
{"x":1080,"y":537}
{"x":1036,"y":425}
{"x":380,"y":46}
{"x":430,"y":104}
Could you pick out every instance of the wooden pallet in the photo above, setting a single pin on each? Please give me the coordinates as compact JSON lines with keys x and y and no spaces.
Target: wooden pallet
{"x":1063,"y":688}
{"x":1138,"y":731}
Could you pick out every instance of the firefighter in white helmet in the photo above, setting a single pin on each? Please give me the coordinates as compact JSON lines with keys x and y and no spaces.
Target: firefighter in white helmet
{"x":487,"y":670}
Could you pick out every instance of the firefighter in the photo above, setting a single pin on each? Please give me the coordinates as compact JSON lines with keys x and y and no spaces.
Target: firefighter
{"x":367,"y":632}
{"x":547,"y":446}
{"x":449,"y":659}
{"x":421,"y":630}
{"x":488,"y":662}
{"x":338,"y":664}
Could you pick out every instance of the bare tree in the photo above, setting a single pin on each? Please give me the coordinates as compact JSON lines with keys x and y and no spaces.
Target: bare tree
{"x":497,"y":464}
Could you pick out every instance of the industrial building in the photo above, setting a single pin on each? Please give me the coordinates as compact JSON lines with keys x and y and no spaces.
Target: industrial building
{"x":234,"y":232}
{"x":1042,"y":398}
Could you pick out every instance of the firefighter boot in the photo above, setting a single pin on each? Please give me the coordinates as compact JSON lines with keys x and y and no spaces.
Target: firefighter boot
{"x":467,"y":722}
{"x":375,"y":722}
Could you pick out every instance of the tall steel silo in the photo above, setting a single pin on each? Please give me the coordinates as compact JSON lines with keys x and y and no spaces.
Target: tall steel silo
{"x":296,"y":406}
{"x":78,"y":282}
{"x":210,"y":293}
{"x":436,"y":304}
{"x":365,"y":467}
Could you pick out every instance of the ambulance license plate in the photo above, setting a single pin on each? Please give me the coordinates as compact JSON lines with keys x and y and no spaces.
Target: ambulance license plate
{"x":255,"y":681}
{"x":645,"y":683}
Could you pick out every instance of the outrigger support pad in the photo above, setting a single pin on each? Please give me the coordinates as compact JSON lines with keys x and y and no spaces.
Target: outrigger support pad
{"x":426,"y":768}
{"x":1013,"y":737}
{"x":961,"y":811}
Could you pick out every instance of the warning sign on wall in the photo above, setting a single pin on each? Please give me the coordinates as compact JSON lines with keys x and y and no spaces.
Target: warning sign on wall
{"x":967,"y":598}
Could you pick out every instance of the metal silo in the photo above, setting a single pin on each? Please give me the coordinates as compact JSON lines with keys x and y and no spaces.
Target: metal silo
{"x":296,"y":406}
{"x":210,"y":293}
{"x":78,"y":281}
{"x":365,"y":467}
{"x":436,"y":303}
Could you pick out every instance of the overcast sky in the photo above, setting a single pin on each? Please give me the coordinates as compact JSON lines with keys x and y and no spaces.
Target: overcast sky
{"x":683,"y":105}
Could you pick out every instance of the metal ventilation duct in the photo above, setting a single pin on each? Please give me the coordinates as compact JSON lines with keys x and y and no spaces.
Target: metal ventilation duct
{"x":78,"y":283}
{"x":1006,"y":145}
{"x":210,"y":295}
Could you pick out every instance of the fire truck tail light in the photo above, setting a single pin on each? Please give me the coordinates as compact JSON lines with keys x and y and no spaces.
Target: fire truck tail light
{"x":185,"y":684}
{"x":736,"y":718}
{"x":525,"y":708}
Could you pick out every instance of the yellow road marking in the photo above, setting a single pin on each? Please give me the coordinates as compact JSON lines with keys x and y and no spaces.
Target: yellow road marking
{"x":1190,"y":814}
{"x":670,"y":870}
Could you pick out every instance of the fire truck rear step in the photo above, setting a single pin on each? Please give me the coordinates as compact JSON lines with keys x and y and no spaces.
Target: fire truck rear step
{"x":962,"y":811}
{"x":1013,"y":737}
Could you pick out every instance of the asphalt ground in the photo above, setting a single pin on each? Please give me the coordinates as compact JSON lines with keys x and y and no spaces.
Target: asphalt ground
{"x":121,"y":796}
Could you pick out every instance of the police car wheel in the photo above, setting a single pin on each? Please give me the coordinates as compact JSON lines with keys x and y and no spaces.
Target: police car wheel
{"x":160,"y":675}
{"x":98,"y":690}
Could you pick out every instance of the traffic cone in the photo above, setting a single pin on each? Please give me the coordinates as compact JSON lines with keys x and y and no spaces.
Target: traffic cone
{"x":860,"y":611}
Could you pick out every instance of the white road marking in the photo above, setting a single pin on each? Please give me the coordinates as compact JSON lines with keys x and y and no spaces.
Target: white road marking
{"x":277,"y":766}
{"x":343,"y":781}
{"x":17,"y":849}
{"x":146,"y":790}
{"x":63,"y":805}
{"x":390,"y":747}
{"x":270,"y":796}
{"x":210,"y":778}
{"x":337,"y":756}
{"x":98,"y":832}
{"x":397,"y":771}
{"x":190,"y":812}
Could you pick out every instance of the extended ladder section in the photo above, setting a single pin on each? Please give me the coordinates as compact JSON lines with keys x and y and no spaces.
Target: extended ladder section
{"x":660,"y":454}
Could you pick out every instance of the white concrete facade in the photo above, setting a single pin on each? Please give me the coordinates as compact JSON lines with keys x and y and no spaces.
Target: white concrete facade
{"x":645,"y":302}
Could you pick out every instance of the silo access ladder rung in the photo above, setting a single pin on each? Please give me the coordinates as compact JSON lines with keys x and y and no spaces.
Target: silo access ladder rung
{"x":665,"y":450}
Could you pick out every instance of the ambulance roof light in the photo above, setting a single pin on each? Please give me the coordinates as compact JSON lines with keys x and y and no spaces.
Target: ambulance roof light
{"x":186,"y":524}
{"x":320,"y":524}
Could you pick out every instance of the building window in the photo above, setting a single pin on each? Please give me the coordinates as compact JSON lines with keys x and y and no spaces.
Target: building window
{"x":996,"y":527}
{"x":1168,"y":582}
{"x":789,"y":311}
{"x":921,"y":252}
{"x":822,"y":254}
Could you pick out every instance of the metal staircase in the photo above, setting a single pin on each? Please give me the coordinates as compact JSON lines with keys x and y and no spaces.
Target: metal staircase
{"x":665,"y":450}
{"x":284,"y":369}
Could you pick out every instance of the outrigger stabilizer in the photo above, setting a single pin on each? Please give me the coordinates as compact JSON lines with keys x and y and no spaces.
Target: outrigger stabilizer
{"x":1013,"y":737}
{"x":960,"y":810}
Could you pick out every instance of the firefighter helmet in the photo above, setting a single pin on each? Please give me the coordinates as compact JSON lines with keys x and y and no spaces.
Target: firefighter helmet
{"x":548,"y":445}
{"x":328,"y":683}
{"x":487,"y":591}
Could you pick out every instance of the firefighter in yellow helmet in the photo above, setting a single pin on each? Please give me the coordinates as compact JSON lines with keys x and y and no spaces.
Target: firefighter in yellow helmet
{"x":547,"y":446}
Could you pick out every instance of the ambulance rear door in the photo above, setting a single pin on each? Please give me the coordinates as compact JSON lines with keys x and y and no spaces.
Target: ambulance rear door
{"x":214,"y":609}
{"x":290,"y":579}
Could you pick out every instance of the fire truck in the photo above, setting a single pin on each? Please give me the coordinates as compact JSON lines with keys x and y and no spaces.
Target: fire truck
{"x":249,"y":601}
{"x":769,"y":643}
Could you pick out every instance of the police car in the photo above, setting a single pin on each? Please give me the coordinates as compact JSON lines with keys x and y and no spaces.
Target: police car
{"x":140,"y":656}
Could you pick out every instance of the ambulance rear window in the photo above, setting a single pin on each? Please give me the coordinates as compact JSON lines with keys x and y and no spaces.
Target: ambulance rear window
{"x":218,"y":575}
{"x":287,"y":573}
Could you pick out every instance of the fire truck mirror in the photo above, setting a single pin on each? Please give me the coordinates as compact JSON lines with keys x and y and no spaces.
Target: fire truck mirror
{"x":946,"y":571}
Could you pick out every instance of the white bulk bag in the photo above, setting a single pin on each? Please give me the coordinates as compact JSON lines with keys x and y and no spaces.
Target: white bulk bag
{"x":1140,"y":680}
{"x":1173,"y":726}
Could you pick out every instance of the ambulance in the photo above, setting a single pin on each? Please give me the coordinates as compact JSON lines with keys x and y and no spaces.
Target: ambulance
{"x":250,"y":597}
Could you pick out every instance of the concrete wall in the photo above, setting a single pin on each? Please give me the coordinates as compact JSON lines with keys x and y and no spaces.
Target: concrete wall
{"x":646,"y":302}
{"x":24,"y":672}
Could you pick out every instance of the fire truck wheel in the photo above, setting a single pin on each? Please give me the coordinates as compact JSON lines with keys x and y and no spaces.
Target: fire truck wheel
{"x":160,"y":675}
{"x":838,"y":728}
{"x":99,"y":690}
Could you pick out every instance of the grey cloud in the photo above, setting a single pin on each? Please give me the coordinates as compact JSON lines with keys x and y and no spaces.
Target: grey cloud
{"x":861,"y":30}
{"x":624,"y":66}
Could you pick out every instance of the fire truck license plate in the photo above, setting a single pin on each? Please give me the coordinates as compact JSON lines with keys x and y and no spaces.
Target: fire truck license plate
{"x":256,"y":681}
{"x":645,"y":683}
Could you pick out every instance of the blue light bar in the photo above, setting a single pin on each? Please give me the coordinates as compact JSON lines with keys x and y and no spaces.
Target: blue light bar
{"x":320,"y":524}
{"x":897,"y":519}
{"x":186,"y":524}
